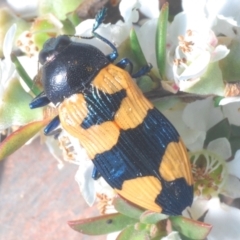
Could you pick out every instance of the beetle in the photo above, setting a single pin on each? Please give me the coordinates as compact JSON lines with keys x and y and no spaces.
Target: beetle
{"x":131,"y":144}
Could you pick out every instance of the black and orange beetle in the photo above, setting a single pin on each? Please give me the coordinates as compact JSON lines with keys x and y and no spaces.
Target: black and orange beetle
{"x":132,"y":145}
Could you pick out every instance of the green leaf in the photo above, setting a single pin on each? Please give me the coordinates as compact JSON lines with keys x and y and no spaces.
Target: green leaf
{"x":211,"y":82}
{"x":73,"y":18}
{"x":150,"y":217}
{"x":230,"y":64}
{"x":136,"y":48}
{"x":68,"y":27}
{"x":217,"y":100}
{"x":125,"y":51}
{"x":130,"y":233}
{"x":167,"y":102}
{"x":234,"y":139}
{"x":220,"y":130}
{"x":102,"y":224}
{"x":21,"y":71}
{"x":18,"y":138}
{"x":44,"y":28}
{"x":235,"y":131}
{"x":161,"y":40}
{"x":146,"y":84}
{"x":127,"y":208}
{"x":14,"y":108}
{"x":190,"y":228}
{"x":58,"y":8}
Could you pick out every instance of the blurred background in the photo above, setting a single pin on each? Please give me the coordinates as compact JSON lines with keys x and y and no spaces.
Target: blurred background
{"x":37,"y":199}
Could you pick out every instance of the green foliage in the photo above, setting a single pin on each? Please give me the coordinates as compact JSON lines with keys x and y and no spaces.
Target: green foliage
{"x":161,"y":40}
{"x":135,"y":224}
{"x":18,"y":138}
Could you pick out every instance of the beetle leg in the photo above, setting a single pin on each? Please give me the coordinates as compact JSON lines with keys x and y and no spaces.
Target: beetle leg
{"x":52,"y":126}
{"x":55,"y":133}
{"x":142,"y":71}
{"x":39,"y":101}
{"x":123,"y":63}
{"x":95,"y":174}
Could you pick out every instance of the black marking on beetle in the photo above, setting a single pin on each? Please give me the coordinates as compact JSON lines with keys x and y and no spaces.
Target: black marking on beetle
{"x":174,"y":194}
{"x":146,"y":143}
{"x":135,"y":147}
{"x":101,"y":106}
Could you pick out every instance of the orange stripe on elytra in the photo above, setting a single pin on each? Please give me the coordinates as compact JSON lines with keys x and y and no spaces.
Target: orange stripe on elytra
{"x":134,"y":107}
{"x":97,"y":138}
{"x":142,"y":191}
{"x":175,"y":163}
{"x":102,"y":137}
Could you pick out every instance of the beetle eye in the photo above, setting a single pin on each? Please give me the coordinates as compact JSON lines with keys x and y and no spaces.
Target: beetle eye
{"x":53,"y":47}
{"x":45,"y":56}
{"x":42,"y":57}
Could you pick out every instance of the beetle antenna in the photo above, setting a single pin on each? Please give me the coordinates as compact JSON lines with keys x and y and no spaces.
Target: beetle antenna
{"x":98,"y":21}
{"x":99,"y":18}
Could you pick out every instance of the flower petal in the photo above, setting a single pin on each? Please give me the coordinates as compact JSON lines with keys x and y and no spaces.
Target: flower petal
{"x":198,"y":143}
{"x":221,"y":146}
{"x":198,"y":66}
{"x":228,"y":8}
{"x":219,"y":53}
{"x":27,"y":8}
{"x":191,"y":6}
{"x":234,"y":165}
{"x":53,"y":147}
{"x":116,"y":33}
{"x":231,"y":187}
{"x":150,"y":10}
{"x":231,"y":111}
{"x":128,"y":11}
{"x":172,"y":236}
{"x":8,"y":41}
{"x":202,"y":114}
{"x":224,"y":219}
{"x":85,"y":181}
{"x":228,"y":100}
{"x":147,"y":42}
{"x":224,"y":26}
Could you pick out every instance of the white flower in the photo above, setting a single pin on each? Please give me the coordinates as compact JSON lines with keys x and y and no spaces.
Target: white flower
{"x":7,"y":68}
{"x":195,"y":119}
{"x":26,"y":9}
{"x":14,"y":109}
{"x":89,"y":187}
{"x":211,"y":8}
{"x":172,"y":236}
{"x":224,"y":219}
{"x":146,"y":37}
{"x":115,"y":33}
{"x":192,"y":121}
{"x":192,"y":46}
